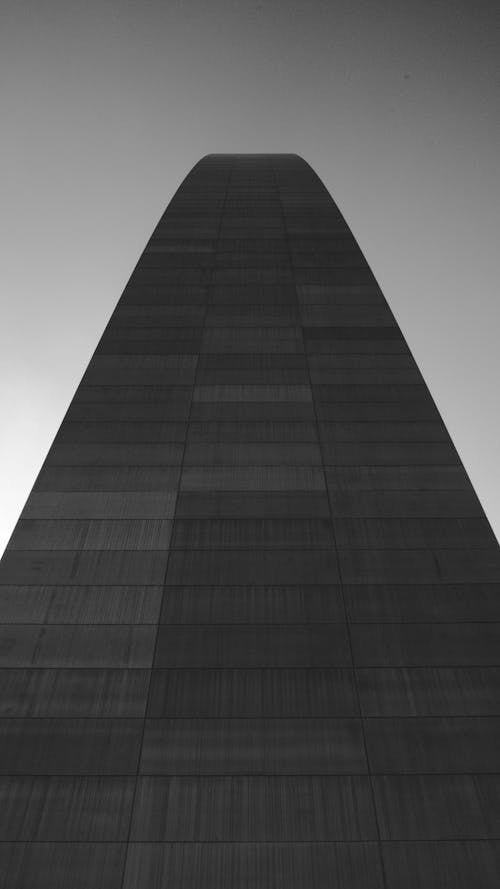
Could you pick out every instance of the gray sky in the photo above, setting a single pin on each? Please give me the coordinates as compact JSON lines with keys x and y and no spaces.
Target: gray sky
{"x":106,"y":105}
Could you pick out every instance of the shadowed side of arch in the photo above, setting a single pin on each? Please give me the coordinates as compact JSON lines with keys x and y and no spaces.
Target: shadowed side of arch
{"x":249,"y":613}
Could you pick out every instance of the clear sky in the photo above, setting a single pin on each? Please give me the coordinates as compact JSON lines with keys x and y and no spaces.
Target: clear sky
{"x":105,"y":106}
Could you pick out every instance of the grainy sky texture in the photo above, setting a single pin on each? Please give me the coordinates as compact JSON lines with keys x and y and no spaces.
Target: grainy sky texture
{"x":106,"y":105}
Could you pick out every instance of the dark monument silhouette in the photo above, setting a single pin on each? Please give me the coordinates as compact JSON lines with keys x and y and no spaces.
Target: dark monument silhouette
{"x":250,"y":611}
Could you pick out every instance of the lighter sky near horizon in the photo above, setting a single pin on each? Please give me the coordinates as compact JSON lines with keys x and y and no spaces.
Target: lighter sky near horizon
{"x":105,"y":106}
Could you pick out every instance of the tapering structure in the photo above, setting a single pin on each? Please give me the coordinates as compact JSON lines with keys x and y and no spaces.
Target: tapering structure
{"x":250,"y":611}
